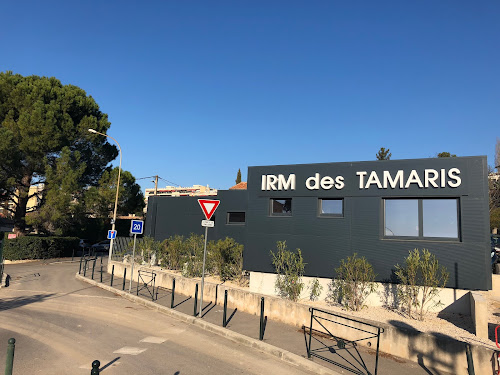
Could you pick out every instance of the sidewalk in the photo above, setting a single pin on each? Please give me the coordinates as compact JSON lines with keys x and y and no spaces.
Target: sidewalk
{"x":349,"y":360}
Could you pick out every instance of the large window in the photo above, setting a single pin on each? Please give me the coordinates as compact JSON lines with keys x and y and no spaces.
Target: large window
{"x":237,"y":218}
{"x":331,"y":207}
{"x":281,"y":207}
{"x":422,"y":218}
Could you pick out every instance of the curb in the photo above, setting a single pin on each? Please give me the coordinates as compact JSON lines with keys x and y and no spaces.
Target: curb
{"x":282,"y":354}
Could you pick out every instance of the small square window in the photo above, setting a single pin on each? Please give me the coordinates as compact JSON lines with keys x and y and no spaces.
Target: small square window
{"x":281,"y":207}
{"x":331,"y":207}
{"x":236,"y":218}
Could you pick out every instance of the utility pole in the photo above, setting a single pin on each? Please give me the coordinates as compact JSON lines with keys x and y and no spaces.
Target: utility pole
{"x":156,"y":184}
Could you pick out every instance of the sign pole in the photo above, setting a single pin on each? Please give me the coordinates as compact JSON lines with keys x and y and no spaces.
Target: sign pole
{"x":132,"y":270}
{"x":203,"y":272}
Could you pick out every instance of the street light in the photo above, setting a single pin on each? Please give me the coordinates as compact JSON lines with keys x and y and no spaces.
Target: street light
{"x":117,"y":189}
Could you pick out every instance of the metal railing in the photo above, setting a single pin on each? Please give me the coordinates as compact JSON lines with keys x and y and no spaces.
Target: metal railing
{"x":352,"y":360}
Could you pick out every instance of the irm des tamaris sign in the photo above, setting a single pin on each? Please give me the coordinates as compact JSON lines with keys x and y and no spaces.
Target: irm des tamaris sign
{"x":428,"y":178}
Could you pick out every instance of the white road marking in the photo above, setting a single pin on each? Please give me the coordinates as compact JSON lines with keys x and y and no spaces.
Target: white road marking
{"x":130,"y":350}
{"x":154,"y":340}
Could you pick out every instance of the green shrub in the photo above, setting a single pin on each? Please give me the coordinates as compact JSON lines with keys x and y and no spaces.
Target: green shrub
{"x":353,"y":283}
{"x":315,"y":289}
{"x":36,"y":247}
{"x":226,"y":258}
{"x":174,"y":253}
{"x":147,"y":247}
{"x":419,"y":279}
{"x":194,"y":247}
{"x":290,"y":268}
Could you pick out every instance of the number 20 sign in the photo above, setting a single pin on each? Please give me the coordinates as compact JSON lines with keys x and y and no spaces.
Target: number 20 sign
{"x":136,"y":227}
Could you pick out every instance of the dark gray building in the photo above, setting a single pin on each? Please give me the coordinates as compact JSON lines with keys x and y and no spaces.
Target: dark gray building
{"x":378,"y":209}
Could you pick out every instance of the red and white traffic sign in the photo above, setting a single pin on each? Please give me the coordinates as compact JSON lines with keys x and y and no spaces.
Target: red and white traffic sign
{"x":208,"y":206}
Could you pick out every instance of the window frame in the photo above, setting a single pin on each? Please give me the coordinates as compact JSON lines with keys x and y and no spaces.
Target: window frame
{"x":320,"y":204}
{"x":282,"y":214}
{"x":420,"y":213}
{"x":236,"y":222}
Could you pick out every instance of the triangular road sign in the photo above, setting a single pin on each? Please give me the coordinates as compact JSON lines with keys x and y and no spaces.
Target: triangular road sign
{"x":208,"y":207}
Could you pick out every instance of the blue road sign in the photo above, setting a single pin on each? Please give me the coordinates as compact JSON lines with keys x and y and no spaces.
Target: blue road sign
{"x":136,"y":227}
{"x":111,"y":234}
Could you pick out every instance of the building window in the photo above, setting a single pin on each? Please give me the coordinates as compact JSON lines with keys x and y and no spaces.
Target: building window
{"x":440,"y":218}
{"x":421,"y":218}
{"x":281,"y":207}
{"x":236,"y":218}
{"x":331,"y":207}
{"x":401,"y":217}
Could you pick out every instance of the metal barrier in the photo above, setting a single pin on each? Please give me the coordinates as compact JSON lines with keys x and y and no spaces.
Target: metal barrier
{"x":353,"y":360}
{"x":263,"y":320}
{"x":95,"y":368}
{"x":146,"y":284}
{"x":124,"y":277}
{"x":195,"y":300}
{"x":173,"y":294}
{"x":112,"y":275}
{"x":9,"y":362}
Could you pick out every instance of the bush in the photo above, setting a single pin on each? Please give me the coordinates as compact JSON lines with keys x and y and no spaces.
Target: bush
{"x":194,"y":246}
{"x":174,"y":253}
{"x":353,"y":284}
{"x":290,"y":268}
{"x":226,"y":258}
{"x":315,"y":289}
{"x":35,"y":247}
{"x":419,"y":279}
{"x":150,"y":250}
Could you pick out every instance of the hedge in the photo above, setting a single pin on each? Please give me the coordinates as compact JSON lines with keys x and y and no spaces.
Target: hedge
{"x":33,"y":247}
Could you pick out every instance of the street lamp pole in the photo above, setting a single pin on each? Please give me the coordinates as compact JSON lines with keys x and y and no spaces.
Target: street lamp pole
{"x":117,"y":189}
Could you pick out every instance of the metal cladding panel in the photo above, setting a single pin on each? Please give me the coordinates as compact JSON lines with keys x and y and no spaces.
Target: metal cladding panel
{"x":325,"y":241}
{"x":169,"y":216}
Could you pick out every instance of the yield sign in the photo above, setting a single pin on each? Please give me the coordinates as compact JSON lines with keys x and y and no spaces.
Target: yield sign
{"x":208,"y":207}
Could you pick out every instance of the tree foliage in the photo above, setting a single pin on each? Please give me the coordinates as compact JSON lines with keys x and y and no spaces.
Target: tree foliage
{"x":383,"y":154}
{"x":61,"y":208}
{"x":39,"y":118}
{"x":100,"y":199}
{"x":238,"y":177}
{"x":446,"y":155}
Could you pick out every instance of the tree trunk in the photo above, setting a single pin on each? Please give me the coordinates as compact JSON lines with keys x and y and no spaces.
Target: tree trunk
{"x":22,"y":202}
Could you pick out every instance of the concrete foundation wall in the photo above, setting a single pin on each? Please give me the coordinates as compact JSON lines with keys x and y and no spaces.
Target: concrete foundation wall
{"x":432,"y":350}
{"x":452,"y":300}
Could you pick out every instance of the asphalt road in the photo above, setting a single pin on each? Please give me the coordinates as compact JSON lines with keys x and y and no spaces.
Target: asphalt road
{"x":61,"y":325}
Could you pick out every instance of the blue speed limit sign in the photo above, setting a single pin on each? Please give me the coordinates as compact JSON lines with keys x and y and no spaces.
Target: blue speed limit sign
{"x":136,"y":226}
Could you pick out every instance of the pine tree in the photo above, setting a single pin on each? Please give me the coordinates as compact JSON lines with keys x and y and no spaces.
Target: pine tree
{"x":383,"y":154}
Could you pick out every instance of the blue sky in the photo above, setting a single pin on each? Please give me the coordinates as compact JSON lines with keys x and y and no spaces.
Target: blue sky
{"x":197,"y":89}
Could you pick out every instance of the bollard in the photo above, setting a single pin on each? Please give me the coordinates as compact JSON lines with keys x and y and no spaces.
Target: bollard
{"x":124,"y":278}
{"x":470,"y":362}
{"x":262,"y":324}
{"x":95,"y":368}
{"x":112,"y":275}
{"x":101,"y":272}
{"x":195,"y":299}
{"x":173,"y":294}
{"x":80,"y":269}
{"x":93,"y":268}
{"x":9,"y":363}
{"x":224,"y":316}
